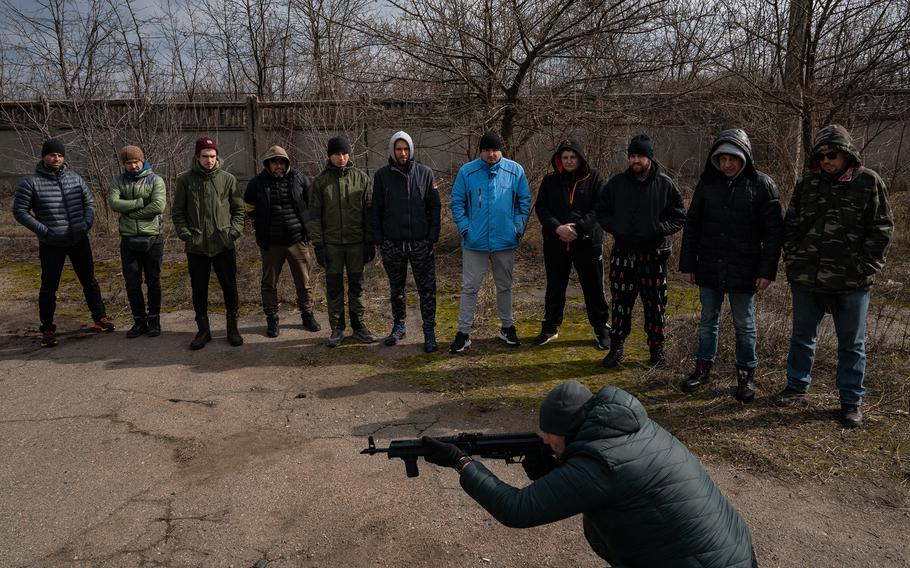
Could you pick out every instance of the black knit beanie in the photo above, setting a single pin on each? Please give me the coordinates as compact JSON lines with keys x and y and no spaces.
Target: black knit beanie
{"x":338,"y":145}
{"x":53,"y":146}
{"x":642,"y":146}
{"x":562,"y":410}
{"x":490,"y":141}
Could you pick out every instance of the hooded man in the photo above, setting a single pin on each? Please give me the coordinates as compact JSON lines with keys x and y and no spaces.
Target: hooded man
{"x":644,"y":498}
{"x":641,"y":207}
{"x":730,"y":246}
{"x":572,"y":236}
{"x":139,"y":195}
{"x":406,"y":213}
{"x":491,"y":202}
{"x":339,"y":226}
{"x":836,"y":232}
{"x":208,"y":216}
{"x":278,"y":200}
{"x":57,"y":205}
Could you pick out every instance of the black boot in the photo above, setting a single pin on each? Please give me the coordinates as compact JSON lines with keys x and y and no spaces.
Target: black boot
{"x":700,"y":376}
{"x":233,"y":334}
{"x":271,"y":325}
{"x":154,"y":326}
{"x":140,"y":327}
{"x":309,"y":322}
{"x":745,"y":388}
{"x":614,"y":356}
{"x":658,"y":358}
{"x":203,"y":336}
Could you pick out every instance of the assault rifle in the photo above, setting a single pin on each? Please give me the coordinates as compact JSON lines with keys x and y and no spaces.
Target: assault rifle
{"x":513,"y":448}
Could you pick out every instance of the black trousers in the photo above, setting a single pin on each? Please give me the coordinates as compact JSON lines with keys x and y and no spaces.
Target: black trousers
{"x":139,"y":266}
{"x":587,"y":259}
{"x":200,"y":267}
{"x":52,"y":259}
{"x":395,"y":258}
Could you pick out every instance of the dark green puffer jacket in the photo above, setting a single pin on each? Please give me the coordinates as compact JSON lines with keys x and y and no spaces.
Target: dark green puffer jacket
{"x":646,"y":500}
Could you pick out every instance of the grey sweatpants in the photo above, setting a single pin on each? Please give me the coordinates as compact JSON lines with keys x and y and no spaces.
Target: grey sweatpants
{"x":473,"y":268}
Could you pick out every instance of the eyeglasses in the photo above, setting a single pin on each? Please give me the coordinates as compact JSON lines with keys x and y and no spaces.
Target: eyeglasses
{"x":825,"y":156}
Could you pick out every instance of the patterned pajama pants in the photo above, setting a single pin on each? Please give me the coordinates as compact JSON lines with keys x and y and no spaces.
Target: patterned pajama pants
{"x":633,"y":274}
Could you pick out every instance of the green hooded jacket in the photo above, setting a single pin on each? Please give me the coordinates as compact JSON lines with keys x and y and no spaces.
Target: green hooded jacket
{"x":140,"y":200}
{"x":646,"y":500}
{"x":341,"y":207}
{"x":837,"y":231}
{"x":207,"y":210}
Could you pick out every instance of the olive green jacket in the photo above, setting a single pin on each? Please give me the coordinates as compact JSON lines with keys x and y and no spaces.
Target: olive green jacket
{"x":207,"y":210}
{"x":140,"y":200}
{"x":341,"y":207}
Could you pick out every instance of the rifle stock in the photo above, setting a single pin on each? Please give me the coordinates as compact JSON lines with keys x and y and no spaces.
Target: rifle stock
{"x":511,"y":447}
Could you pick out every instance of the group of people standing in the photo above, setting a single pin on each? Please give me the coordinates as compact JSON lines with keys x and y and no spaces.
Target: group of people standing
{"x":834,"y":237}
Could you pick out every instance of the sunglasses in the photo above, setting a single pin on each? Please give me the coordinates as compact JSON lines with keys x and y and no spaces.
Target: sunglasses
{"x":825,"y":156}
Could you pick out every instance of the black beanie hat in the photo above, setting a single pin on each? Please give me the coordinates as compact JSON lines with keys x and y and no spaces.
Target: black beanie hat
{"x":490,"y":141}
{"x":338,"y":145}
{"x":561,"y":412}
{"x":53,"y":146}
{"x":642,"y":146}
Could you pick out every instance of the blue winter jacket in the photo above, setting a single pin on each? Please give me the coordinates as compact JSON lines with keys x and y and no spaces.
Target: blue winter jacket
{"x":55,"y":205}
{"x":491,"y":204}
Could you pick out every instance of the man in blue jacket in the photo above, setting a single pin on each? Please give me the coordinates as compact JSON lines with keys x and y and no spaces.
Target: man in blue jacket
{"x":645,"y":500}
{"x":56,"y":204}
{"x":491,"y":202}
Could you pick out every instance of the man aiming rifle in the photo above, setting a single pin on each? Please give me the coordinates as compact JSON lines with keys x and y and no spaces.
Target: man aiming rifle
{"x":646,"y":500}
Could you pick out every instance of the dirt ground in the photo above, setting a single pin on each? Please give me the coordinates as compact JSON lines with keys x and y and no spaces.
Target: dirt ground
{"x":140,"y":452}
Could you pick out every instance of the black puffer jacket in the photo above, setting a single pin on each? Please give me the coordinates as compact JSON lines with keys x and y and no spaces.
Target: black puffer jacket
{"x":734,"y":228}
{"x":55,"y":205}
{"x":641,"y":215}
{"x":647,"y":501}
{"x":258,"y":206}
{"x":570,"y":197}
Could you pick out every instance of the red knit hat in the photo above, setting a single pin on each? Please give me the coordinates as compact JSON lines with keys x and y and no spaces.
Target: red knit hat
{"x":205,"y":143}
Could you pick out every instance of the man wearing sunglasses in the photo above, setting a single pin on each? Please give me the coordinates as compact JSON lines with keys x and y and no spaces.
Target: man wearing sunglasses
{"x":836,"y":232}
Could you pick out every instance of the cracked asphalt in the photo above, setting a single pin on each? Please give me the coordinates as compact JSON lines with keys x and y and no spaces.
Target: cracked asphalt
{"x":140,"y":452}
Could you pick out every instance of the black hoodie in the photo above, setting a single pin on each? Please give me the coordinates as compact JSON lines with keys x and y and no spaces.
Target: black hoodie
{"x":734,"y":228}
{"x":570,"y":197}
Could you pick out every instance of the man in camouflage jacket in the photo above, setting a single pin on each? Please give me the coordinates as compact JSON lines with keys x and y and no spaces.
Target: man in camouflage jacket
{"x":836,"y":232}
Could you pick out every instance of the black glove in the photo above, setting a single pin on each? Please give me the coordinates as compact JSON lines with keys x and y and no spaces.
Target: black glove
{"x":369,"y":252}
{"x":442,"y":454}
{"x":537,"y":466}
{"x":320,"y":256}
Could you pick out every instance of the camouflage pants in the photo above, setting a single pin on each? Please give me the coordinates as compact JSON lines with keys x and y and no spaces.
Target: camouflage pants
{"x":395,"y":258}
{"x":634,"y":274}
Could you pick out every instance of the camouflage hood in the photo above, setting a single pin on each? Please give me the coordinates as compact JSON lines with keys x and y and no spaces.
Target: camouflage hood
{"x":834,"y":136}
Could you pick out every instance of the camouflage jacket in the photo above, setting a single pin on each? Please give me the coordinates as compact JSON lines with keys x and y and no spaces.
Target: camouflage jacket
{"x":836,"y":232}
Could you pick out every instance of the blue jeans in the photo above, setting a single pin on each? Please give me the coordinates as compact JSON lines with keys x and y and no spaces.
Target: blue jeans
{"x":743,"y":307}
{"x":849,"y":314}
